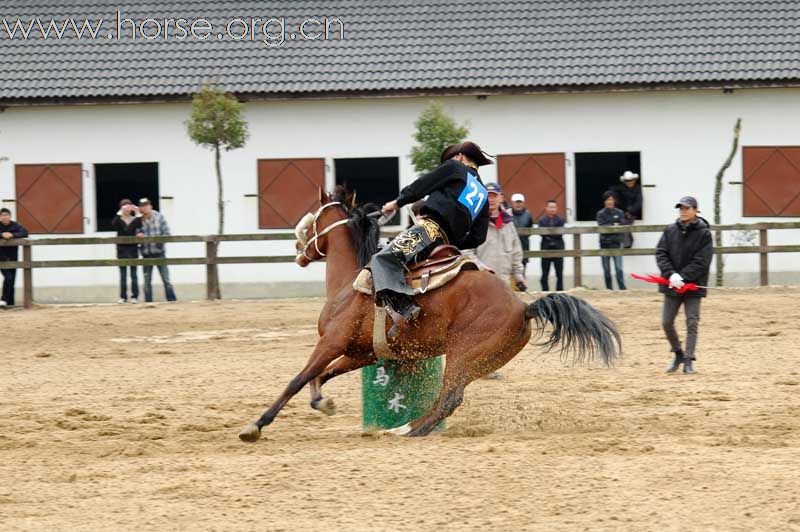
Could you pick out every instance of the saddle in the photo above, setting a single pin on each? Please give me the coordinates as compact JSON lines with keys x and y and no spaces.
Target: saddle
{"x":442,"y":266}
{"x":441,"y":260}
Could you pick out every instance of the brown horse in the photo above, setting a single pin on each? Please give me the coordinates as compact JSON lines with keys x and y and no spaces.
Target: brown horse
{"x":475,"y":320}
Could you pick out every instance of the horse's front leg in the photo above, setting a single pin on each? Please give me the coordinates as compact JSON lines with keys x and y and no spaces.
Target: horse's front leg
{"x":344,"y":364}
{"x":326,"y":351}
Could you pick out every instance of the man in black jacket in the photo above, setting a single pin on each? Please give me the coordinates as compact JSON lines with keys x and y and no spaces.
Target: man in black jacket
{"x":628,"y":194}
{"x":522,"y":218}
{"x":684,"y":256}
{"x":128,"y":222}
{"x":549,"y":242}
{"x":609,"y":215}
{"x":9,"y":229}
{"x":456,"y":212}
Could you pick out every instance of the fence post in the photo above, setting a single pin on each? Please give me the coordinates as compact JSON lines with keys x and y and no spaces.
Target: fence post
{"x":577,"y":273}
{"x":27,"y":276}
{"x":211,"y":271}
{"x":762,"y":249}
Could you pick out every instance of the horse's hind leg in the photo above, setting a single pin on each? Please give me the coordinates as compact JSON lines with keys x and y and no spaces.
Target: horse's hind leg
{"x":325,"y":353}
{"x":341,"y":366}
{"x":466,"y":362}
{"x":451,"y":395}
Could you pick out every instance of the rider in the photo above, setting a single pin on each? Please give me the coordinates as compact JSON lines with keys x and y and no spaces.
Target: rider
{"x":456,"y":212}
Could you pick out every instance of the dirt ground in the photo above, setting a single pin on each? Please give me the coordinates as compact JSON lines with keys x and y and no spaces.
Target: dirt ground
{"x":126,"y":418}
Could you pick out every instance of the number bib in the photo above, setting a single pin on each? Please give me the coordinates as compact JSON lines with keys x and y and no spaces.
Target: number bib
{"x":474,"y":196}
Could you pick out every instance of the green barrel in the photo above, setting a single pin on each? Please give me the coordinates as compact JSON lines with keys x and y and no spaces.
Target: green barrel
{"x":397,"y":392}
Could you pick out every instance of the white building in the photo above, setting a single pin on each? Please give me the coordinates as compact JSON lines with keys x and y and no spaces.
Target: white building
{"x":582,"y":90}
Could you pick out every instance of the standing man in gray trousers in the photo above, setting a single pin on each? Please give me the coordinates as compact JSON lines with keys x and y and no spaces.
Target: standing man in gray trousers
{"x":684,"y":256}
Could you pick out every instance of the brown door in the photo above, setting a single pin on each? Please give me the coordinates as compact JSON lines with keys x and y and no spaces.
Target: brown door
{"x":50,"y":197}
{"x":539,"y":176}
{"x":287,"y":189}
{"x":771,"y":177}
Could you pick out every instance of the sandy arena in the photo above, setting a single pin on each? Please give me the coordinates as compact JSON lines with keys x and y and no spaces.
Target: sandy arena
{"x":126,"y":418}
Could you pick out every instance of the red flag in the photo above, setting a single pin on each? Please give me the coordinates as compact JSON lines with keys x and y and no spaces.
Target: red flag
{"x":687,"y":287}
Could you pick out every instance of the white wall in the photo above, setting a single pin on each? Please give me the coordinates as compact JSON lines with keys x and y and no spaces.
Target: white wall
{"x":683,"y":138}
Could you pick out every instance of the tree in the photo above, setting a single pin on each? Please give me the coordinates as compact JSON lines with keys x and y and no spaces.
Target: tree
{"x":216,"y":123}
{"x":435,"y":131}
{"x":718,"y":201}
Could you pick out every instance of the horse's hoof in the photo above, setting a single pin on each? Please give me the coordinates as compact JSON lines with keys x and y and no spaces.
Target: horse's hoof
{"x":402,"y":430}
{"x":251,"y":433}
{"x":326,"y":406}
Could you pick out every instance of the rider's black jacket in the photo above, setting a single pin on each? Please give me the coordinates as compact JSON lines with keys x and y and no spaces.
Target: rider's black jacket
{"x":457,"y":201}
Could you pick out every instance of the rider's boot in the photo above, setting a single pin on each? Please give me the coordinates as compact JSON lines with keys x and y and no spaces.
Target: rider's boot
{"x":402,"y":310}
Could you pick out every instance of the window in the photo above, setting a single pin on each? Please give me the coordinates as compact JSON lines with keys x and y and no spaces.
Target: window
{"x":771,"y":178}
{"x":373,"y":179}
{"x":50,"y":197}
{"x":117,"y":181}
{"x":538,"y":176}
{"x":287,"y":190}
{"x":595,"y":173}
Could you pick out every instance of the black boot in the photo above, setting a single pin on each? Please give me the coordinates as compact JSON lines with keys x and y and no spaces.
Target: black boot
{"x":688,"y":366}
{"x":676,"y":362}
{"x":402,"y":310}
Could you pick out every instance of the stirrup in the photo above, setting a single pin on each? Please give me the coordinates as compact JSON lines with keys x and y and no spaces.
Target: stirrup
{"x":399,"y":321}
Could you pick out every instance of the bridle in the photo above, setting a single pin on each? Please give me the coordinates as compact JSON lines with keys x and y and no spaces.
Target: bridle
{"x":311,"y":220}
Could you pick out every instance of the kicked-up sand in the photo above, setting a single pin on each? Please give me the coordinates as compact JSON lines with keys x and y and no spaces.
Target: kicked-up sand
{"x":126,"y":418}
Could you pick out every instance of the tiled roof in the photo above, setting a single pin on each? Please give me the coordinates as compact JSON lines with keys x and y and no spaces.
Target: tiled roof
{"x":407,"y":45}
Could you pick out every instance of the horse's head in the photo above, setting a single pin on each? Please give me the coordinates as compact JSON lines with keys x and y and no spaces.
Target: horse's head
{"x":313,"y":229}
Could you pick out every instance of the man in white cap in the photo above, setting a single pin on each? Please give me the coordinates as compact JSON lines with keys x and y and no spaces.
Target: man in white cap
{"x":628,"y":196}
{"x":522,"y":218}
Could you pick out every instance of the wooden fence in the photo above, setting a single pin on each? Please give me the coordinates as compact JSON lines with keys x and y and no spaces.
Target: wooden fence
{"x":28,"y":264}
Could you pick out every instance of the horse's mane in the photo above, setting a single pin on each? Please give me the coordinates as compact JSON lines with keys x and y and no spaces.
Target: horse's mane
{"x":364,"y":230}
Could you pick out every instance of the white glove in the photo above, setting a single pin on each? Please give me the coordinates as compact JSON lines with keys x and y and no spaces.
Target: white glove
{"x":676,"y":281}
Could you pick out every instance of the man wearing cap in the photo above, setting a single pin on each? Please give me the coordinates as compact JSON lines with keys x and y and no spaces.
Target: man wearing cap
{"x":154,"y":224}
{"x":628,"y":196}
{"x":456,"y":212}
{"x":684,"y":256}
{"x":502,"y":250}
{"x":522,"y":218}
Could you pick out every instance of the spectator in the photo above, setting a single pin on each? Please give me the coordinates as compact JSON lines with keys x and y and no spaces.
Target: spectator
{"x":128,"y":222}
{"x":550,"y":242}
{"x":9,"y":229}
{"x":522,"y":218}
{"x":154,"y":224}
{"x":502,"y":250}
{"x":684,"y":256}
{"x":610,"y":215}
{"x":628,"y":194}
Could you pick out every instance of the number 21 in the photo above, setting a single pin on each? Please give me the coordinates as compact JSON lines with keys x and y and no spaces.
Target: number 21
{"x":471,"y":195}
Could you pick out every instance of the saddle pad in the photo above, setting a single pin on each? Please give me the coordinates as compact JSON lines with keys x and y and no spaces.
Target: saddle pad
{"x":363,"y":282}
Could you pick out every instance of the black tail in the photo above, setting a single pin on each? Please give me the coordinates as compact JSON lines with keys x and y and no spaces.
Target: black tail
{"x":577,"y":327}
